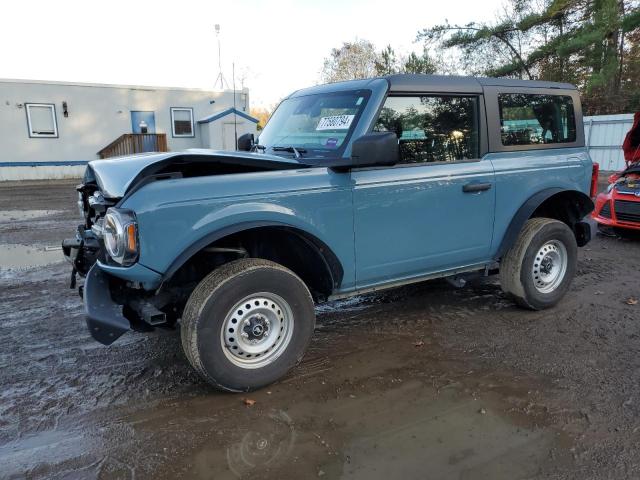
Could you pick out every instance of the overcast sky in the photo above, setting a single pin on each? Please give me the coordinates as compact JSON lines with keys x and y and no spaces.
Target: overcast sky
{"x":277,"y":45}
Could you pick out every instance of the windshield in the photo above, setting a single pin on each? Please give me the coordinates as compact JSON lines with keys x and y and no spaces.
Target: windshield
{"x":315,"y":125}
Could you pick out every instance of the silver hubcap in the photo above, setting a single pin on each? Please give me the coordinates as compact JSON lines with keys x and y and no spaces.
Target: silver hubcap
{"x":549,"y":266}
{"x":257,"y":330}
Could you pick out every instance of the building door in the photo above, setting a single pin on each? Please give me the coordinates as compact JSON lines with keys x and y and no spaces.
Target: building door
{"x":143,"y":122}
{"x":229,"y":135}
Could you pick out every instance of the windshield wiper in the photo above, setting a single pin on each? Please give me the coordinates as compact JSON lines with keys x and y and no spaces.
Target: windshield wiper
{"x":290,"y":149}
{"x":257,"y":146}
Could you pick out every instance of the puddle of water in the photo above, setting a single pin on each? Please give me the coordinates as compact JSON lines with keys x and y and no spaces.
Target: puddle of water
{"x":410,"y":430}
{"x":20,"y":257}
{"x":21,"y":215}
{"x":451,"y":438}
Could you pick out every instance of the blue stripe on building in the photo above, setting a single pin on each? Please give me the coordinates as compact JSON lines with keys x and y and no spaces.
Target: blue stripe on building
{"x":44,"y":164}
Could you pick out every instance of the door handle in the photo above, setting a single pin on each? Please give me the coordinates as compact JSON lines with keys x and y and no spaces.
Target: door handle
{"x":475,"y":187}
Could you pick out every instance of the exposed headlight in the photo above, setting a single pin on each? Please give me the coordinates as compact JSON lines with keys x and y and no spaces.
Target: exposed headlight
{"x":120,"y":234}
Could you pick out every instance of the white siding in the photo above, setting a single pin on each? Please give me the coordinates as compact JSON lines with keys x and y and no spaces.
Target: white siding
{"x":98,"y":114}
{"x":604,"y":135}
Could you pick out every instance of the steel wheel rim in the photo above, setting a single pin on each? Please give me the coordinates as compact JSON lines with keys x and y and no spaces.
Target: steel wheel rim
{"x":550,"y":266}
{"x":257,"y":330}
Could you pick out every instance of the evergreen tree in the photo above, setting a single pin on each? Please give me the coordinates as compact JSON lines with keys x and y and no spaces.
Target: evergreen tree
{"x":387,"y":63}
{"x":419,"y":63}
{"x":591,"y":43}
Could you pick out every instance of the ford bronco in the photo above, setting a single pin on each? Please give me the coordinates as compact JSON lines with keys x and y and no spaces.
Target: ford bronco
{"x":351,"y":187}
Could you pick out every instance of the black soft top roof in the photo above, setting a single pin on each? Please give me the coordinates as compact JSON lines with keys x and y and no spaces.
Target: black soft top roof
{"x":452,"y":83}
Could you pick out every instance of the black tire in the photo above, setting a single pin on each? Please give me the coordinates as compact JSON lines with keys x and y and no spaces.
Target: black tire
{"x":211,"y":304}
{"x":520,"y":269}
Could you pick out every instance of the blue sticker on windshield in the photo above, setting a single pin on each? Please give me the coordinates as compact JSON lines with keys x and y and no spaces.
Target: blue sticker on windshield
{"x":331,"y":142}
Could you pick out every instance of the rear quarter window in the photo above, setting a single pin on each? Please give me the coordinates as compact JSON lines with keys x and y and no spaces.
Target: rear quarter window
{"x":534,"y":119}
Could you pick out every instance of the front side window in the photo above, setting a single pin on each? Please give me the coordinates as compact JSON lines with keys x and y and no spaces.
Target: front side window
{"x":316,"y":125}
{"x":432,"y":128}
{"x":182,"y":122}
{"x":41,"y":120}
{"x":532,"y":119}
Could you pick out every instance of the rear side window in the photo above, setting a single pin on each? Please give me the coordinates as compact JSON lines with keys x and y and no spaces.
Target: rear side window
{"x":529,"y":119}
{"x":432,"y":128}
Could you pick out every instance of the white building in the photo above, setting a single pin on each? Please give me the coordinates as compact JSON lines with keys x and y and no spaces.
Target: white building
{"x":52,"y":129}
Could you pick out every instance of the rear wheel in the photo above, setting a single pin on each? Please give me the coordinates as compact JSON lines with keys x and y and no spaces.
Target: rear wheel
{"x":537,"y":271}
{"x":247,"y":324}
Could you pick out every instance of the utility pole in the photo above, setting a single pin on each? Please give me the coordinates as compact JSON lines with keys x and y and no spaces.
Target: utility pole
{"x":235,"y":117}
{"x":220,"y":77}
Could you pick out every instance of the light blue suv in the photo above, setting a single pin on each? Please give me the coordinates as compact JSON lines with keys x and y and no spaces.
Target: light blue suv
{"x":351,"y":187}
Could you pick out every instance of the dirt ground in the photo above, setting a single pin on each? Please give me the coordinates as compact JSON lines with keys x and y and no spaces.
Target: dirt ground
{"x":425,"y":381}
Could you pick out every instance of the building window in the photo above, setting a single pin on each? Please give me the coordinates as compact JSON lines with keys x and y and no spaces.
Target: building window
{"x":41,"y":120}
{"x":530,"y":119}
{"x":182,"y":122}
{"x":432,"y":128}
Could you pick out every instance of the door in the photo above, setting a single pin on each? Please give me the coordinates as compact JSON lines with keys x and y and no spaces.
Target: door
{"x":143,"y":122}
{"x":434,"y":211}
{"x":229,"y":136}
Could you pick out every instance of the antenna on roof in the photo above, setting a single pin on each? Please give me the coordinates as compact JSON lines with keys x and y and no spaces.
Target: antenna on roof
{"x":220,"y":77}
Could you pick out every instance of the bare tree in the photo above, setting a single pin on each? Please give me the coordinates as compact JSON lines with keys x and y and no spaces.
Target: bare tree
{"x":351,"y":61}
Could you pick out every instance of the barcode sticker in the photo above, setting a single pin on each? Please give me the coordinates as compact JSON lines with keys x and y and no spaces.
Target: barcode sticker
{"x":335,"y":122}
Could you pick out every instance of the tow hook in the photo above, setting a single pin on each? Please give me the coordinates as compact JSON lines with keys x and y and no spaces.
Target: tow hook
{"x":149,"y":313}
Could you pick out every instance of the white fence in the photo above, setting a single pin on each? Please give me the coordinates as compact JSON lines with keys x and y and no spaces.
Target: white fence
{"x":604,"y":135}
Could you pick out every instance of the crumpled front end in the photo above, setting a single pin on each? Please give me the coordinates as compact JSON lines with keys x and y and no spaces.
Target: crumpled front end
{"x":104,"y":316}
{"x":85,"y":248}
{"x":619,"y":206}
{"x":119,"y":291}
{"x":114,"y":300}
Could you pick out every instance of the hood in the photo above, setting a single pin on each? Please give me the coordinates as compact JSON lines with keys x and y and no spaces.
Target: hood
{"x":116,"y":176}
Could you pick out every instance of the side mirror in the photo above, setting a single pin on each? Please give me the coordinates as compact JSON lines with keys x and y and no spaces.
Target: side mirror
{"x":246,"y":142}
{"x":375,"y":149}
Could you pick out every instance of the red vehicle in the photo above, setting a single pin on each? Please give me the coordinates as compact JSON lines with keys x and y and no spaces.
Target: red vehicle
{"x":619,"y":205}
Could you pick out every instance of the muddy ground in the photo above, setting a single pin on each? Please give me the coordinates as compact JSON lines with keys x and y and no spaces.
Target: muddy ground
{"x":425,"y":381}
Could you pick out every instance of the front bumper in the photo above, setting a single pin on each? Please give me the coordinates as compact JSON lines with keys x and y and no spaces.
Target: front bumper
{"x":606,"y":211}
{"x":107,"y":319}
{"x":104,"y":316}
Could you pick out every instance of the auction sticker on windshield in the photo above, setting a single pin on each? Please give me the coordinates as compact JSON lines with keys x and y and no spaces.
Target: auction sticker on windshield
{"x":335,"y":122}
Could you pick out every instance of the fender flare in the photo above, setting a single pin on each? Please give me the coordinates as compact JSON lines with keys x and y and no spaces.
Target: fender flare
{"x":584,"y":204}
{"x":333,"y":264}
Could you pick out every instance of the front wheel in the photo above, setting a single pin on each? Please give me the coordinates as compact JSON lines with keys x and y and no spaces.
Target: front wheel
{"x":537,"y":271}
{"x":247,"y":324}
